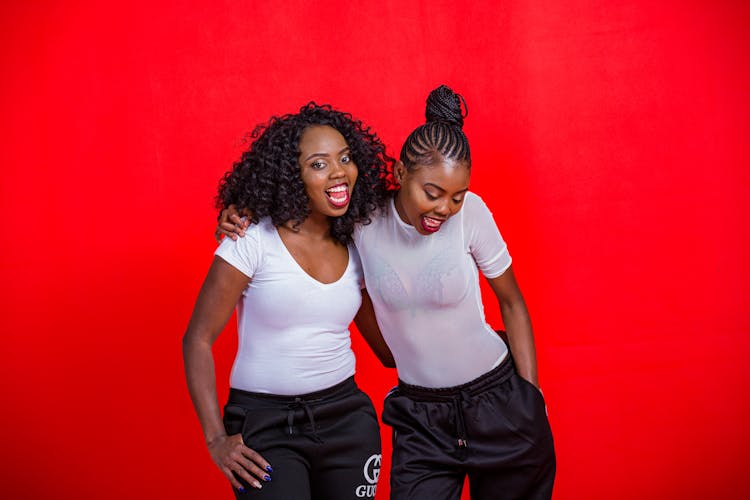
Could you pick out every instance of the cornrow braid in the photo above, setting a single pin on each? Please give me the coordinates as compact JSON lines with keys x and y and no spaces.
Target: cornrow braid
{"x":442,"y":136}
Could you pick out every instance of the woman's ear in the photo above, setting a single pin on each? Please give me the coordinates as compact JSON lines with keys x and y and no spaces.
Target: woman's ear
{"x":399,"y":171}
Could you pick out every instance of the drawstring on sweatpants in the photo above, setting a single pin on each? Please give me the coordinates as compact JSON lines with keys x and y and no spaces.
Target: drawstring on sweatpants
{"x":460,"y":396}
{"x":458,"y":402}
{"x":291,"y":408}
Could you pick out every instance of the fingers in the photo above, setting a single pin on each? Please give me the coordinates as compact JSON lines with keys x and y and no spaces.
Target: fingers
{"x":239,"y":222}
{"x":231,"y":223}
{"x":248,"y":464}
{"x":233,"y":480}
{"x":239,"y":472}
{"x":251,"y":473}
{"x":227,"y":212}
{"x":240,"y":463}
{"x":260,"y":467}
{"x":231,"y":214}
{"x":228,"y":229}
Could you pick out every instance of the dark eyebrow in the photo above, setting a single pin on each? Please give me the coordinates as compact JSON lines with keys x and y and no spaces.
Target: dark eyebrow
{"x":324,"y":155}
{"x":443,"y":190}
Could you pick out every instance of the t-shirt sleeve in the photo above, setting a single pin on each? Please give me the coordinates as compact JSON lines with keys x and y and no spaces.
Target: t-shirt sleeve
{"x":486,"y":244}
{"x":244,"y":254}
{"x":357,"y":266}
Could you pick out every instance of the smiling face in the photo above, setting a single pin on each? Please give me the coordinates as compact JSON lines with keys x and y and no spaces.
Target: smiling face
{"x":431,"y":194}
{"x":327,"y":169}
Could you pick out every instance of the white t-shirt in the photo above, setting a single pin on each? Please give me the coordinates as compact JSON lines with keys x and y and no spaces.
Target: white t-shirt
{"x":425,"y":290}
{"x":293,"y":329}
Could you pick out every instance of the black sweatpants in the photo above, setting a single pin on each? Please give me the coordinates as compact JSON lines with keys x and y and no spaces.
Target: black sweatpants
{"x":323,"y":445}
{"x":494,"y":429}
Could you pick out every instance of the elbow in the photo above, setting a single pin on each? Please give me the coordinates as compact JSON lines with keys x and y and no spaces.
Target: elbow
{"x":187,"y":343}
{"x":513,"y":306}
{"x":187,"y":340}
{"x":192,"y":343}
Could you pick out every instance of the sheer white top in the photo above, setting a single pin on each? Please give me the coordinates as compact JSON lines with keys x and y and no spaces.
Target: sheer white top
{"x":425,"y":290}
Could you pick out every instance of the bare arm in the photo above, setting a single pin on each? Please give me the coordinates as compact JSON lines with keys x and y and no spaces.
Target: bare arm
{"x":517,"y":324}
{"x":368,"y":327}
{"x":217,"y":298}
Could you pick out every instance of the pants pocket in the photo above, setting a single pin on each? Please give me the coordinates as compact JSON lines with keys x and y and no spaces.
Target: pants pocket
{"x":529,"y":412}
{"x":531,"y":387}
{"x":234,"y":419}
{"x":240,"y":420}
{"x":389,"y":410}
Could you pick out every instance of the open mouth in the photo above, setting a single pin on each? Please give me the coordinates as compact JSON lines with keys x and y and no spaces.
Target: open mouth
{"x":338,"y":195}
{"x":431,"y":224}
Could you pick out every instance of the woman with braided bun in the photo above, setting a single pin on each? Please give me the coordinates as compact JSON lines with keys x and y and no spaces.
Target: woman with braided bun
{"x":294,"y":411}
{"x":463,"y":405}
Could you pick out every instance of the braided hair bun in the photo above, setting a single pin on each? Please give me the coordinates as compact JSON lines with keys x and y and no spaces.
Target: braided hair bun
{"x":444,"y":105}
{"x":442,"y":136}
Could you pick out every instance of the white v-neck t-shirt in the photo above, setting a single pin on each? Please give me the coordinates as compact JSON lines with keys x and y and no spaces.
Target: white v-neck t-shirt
{"x":293,"y":330}
{"x":426,"y":295}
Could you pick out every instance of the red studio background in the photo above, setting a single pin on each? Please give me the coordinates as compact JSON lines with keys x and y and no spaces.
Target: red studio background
{"x":610,"y":140}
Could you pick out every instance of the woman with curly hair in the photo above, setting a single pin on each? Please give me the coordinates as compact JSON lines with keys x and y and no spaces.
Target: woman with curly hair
{"x":294,"y":411}
{"x":464,"y":407}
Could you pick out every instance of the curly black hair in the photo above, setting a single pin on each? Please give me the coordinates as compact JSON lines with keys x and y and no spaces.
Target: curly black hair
{"x":267,"y":182}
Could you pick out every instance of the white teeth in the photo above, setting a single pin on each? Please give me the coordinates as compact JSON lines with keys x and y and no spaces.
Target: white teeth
{"x":431,"y":224}
{"x":338,"y":194}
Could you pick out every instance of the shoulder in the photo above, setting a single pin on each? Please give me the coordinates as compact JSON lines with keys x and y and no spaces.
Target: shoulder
{"x":472,"y":200}
{"x":376,"y":220}
{"x":380,"y":213}
{"x":354,"y":255}
{"x":477,"y":218}
{"x":262,"y":229}
{"x":474,"y":206}
{"x":248,"y":253}
{"x":259,"y":232}
{"x":253,"y":241}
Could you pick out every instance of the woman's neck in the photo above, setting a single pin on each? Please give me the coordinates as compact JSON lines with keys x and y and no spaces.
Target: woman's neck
{"x":315,"y":226}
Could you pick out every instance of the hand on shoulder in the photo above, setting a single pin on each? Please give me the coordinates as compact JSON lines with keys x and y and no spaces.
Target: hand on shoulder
{"x":231,"y":223}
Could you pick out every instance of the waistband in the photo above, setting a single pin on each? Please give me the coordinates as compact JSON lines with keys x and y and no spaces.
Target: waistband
{"x":342,"y":388}
{"x":458,"y":396}
{"x":497,"y":375}
{"x":304,"y":403}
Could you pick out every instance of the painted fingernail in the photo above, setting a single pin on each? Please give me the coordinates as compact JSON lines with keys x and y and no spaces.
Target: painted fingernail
{"x":241,"y":490}
{"x":269,"y":468}
{"x":257,"y":485}
{"x":266,"y":478}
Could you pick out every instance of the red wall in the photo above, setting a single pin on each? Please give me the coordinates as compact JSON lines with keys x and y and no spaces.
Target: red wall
{"x":610,"y":140}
